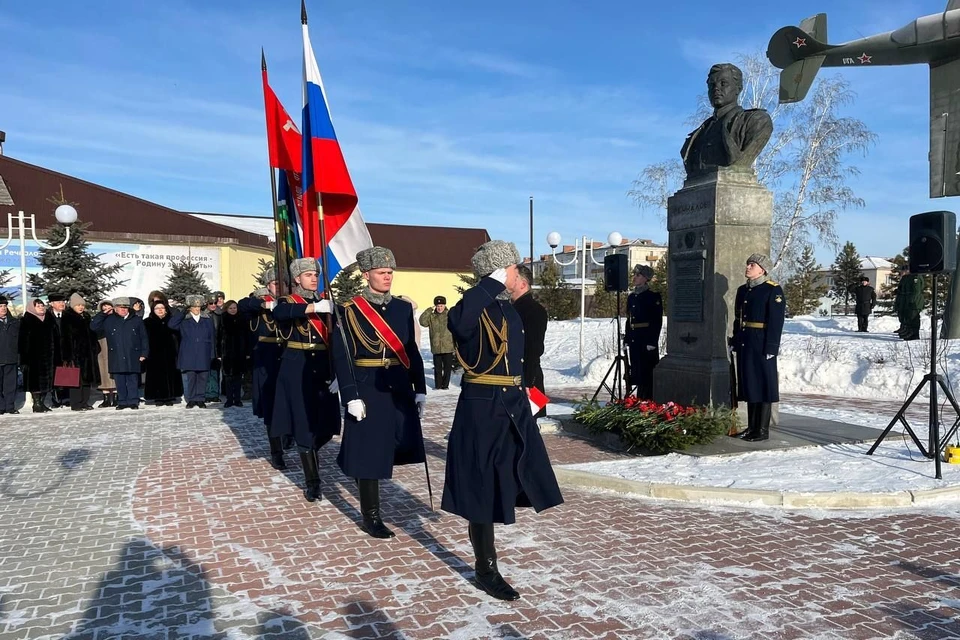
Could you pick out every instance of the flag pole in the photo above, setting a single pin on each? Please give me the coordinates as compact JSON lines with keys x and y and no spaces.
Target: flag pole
{"x":280,"y":236}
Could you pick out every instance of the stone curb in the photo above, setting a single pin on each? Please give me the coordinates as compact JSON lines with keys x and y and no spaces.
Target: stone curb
{"x":753,"y":497}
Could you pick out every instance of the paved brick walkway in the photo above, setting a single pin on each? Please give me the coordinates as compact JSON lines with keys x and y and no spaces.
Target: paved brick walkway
{"x":170,"y":524}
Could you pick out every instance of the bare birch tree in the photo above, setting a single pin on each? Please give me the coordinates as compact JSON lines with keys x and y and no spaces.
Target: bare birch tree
{"x":805,"y":164}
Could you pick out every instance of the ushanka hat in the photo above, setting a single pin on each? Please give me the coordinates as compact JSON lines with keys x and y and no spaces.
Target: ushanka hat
{"x":194,"y":301}
{"x":268,"y":276}
{"x":302,"y":265}
{"x":440,"y":300}
{"x":643,"y":270}
{"x":56,"y":297}
{"x":762,"y":260}
{"x":493,"y":255}
{"x":376,"y":258}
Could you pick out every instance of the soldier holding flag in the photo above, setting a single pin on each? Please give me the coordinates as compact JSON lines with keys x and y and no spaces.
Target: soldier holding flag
{"x":306,"y":407}
{"x":382,"y":385}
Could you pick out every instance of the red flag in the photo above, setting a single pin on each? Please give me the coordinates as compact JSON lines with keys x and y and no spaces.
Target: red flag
{"x":283,"y":138}
{"x":537,"y":399}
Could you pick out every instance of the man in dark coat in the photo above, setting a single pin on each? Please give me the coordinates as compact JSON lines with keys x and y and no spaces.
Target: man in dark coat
{"x":198,"y":338}
{"x":215,"y":312}
{"x":534,"y":318}
{"x":496,"y":459}
{"x":306,"y":408}
{"x":58,"y":304}
{"x":384,"y":390}
{"x":866,"y":299}
{"x":80,"y":348}
{"x":128,"y":347}
{"x":9,"y":357}
{"x":908,"y":304}
{"x":36,"y":353}
{"x":163,"y":382}
{"x":644,"y":323}
{"x":759,"y":313}
{"x":258,"y":310}
{"x":441,"y":341}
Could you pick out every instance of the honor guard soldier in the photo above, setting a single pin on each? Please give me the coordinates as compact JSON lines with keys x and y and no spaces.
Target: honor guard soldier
{"x":258,"y":310}
{"x":496,"y":459}
{"x":644,"y":322}
{"x":382,"y":386}
{"x":306,"y":408}
{"x":757,"y":326}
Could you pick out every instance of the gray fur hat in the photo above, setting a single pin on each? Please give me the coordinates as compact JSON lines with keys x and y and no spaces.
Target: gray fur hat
{"x":302,"y":265}
{"x":643,"y":270}
{"x":122,"y":301}
{"x":194,"y":301}
{"x":762,"y":260}
{"x":493,"y":255}
{"x":376,"y":258}
{"x":268,"y":276}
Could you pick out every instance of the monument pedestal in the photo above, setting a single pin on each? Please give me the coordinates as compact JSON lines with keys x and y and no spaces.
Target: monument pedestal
{"x":714,"y":222}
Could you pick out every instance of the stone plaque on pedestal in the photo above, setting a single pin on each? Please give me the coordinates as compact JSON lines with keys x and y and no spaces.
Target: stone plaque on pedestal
{"x":715,"y":221}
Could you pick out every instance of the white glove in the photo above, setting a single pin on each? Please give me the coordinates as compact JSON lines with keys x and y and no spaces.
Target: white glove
{"x":334,"y":386}
{"x":770,"y":355}
{"x":421,"y":401}
{"x":500,"y":275}
{"x":269,"y":306}
{"x":650,"y":347}
{"x":323,"y":306}
{"x":357,"y":409}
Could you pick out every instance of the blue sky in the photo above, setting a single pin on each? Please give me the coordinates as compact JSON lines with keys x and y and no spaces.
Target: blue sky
{"x":447,"y":113}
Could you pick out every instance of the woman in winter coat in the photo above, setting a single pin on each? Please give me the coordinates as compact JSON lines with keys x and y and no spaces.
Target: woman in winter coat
{"x":235,"y":352}
{"x":79,"y":347}
{"x":108,"y":386}
{"x":36,"y":353}
{"x":164,"y":383}
{"x":197,"y":343}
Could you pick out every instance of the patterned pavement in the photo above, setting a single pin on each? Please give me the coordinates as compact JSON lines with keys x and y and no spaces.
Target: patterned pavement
{"x":170,"y":524}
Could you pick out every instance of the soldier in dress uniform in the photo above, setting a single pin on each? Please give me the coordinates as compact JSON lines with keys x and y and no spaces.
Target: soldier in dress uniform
{"x":257,"y":308}
{"x":757,"y":326}
{"x":306,"y":407}
{"x":382,"y":386}
{"x":644,"y":322}
{"x":496,"y":459}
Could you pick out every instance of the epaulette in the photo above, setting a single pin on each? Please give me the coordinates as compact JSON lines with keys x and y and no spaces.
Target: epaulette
{"x":773,"y":283}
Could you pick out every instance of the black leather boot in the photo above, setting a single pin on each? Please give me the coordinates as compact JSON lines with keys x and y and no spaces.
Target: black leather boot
{"x":38,"y":406}
{"x":276,"y":454}
{"x":311,"y":475}
{"x":372,"y":524}
{"x":761,"y":428}
{"x":751,"y":422}
{"x":488,"y":575}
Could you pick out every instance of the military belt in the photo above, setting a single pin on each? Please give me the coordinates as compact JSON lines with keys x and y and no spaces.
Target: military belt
{"x":269,"y":339}
{"x":639,"y":325}
{"x":493,"y":380}
{"x":373,"y":363}
{"x":307,"y":346}
{"x":754,"y":325}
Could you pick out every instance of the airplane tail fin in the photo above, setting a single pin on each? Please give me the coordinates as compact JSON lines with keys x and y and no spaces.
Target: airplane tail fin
{"x":791,"y":44}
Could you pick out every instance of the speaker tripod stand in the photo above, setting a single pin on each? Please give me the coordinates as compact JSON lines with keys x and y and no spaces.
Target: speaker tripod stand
{"x":935,"y":444}
{"x":619,"y":368}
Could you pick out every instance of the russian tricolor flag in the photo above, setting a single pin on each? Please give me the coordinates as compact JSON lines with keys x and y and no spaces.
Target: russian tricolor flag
{"x":326,"y":181}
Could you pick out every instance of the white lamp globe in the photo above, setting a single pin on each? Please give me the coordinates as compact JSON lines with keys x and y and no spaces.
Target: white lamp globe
{"x":553,"y":239}
{"x":614,"y":239}
{"x":65,"y":214}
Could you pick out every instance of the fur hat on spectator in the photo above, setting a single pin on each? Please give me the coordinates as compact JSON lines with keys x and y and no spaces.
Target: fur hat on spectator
{"x":762,"y":260}
{"x":439,"y":300}
{"x":56,"y":297}
{"x":122,"y":301}
{"x":76,"y":299}
{"x":643,"y":270}
{"x":493,"y":255}
{"x":376,"y":258}
{"x":194,"y":301}
{"x":302,"y":265}
{"x":3,"y":300}
{"x":211,"y":298}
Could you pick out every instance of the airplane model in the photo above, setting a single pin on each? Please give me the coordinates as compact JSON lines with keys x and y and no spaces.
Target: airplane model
{"x":933,"y":40}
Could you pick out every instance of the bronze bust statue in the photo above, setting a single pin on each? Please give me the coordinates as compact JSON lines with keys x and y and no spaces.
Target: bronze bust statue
{"x":732,"y":137}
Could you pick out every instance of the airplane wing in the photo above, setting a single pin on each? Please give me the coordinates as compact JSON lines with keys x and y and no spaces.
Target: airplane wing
{"x":945,"y":129}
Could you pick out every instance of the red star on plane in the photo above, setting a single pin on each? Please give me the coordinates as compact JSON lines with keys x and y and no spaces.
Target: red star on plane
{"x":865,"y":59}
{"x":800,"y":42}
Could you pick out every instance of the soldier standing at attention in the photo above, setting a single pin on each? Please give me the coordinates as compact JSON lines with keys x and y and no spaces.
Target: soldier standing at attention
{"x":757,"y":326}
{"x":257,"y":308}
{"x":382,"y":386}
{"x":496,"y":459}
{"x":441,"y":342}
{"x":306,"y":408}
{"x":644,"y":322}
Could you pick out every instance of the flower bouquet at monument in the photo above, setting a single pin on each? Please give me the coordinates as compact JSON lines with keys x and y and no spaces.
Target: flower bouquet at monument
{"x":653,"y":428}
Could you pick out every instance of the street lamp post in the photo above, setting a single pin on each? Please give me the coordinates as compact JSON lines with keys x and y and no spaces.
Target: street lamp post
{"x":65,"y":214}
{"x":580,"y":246}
